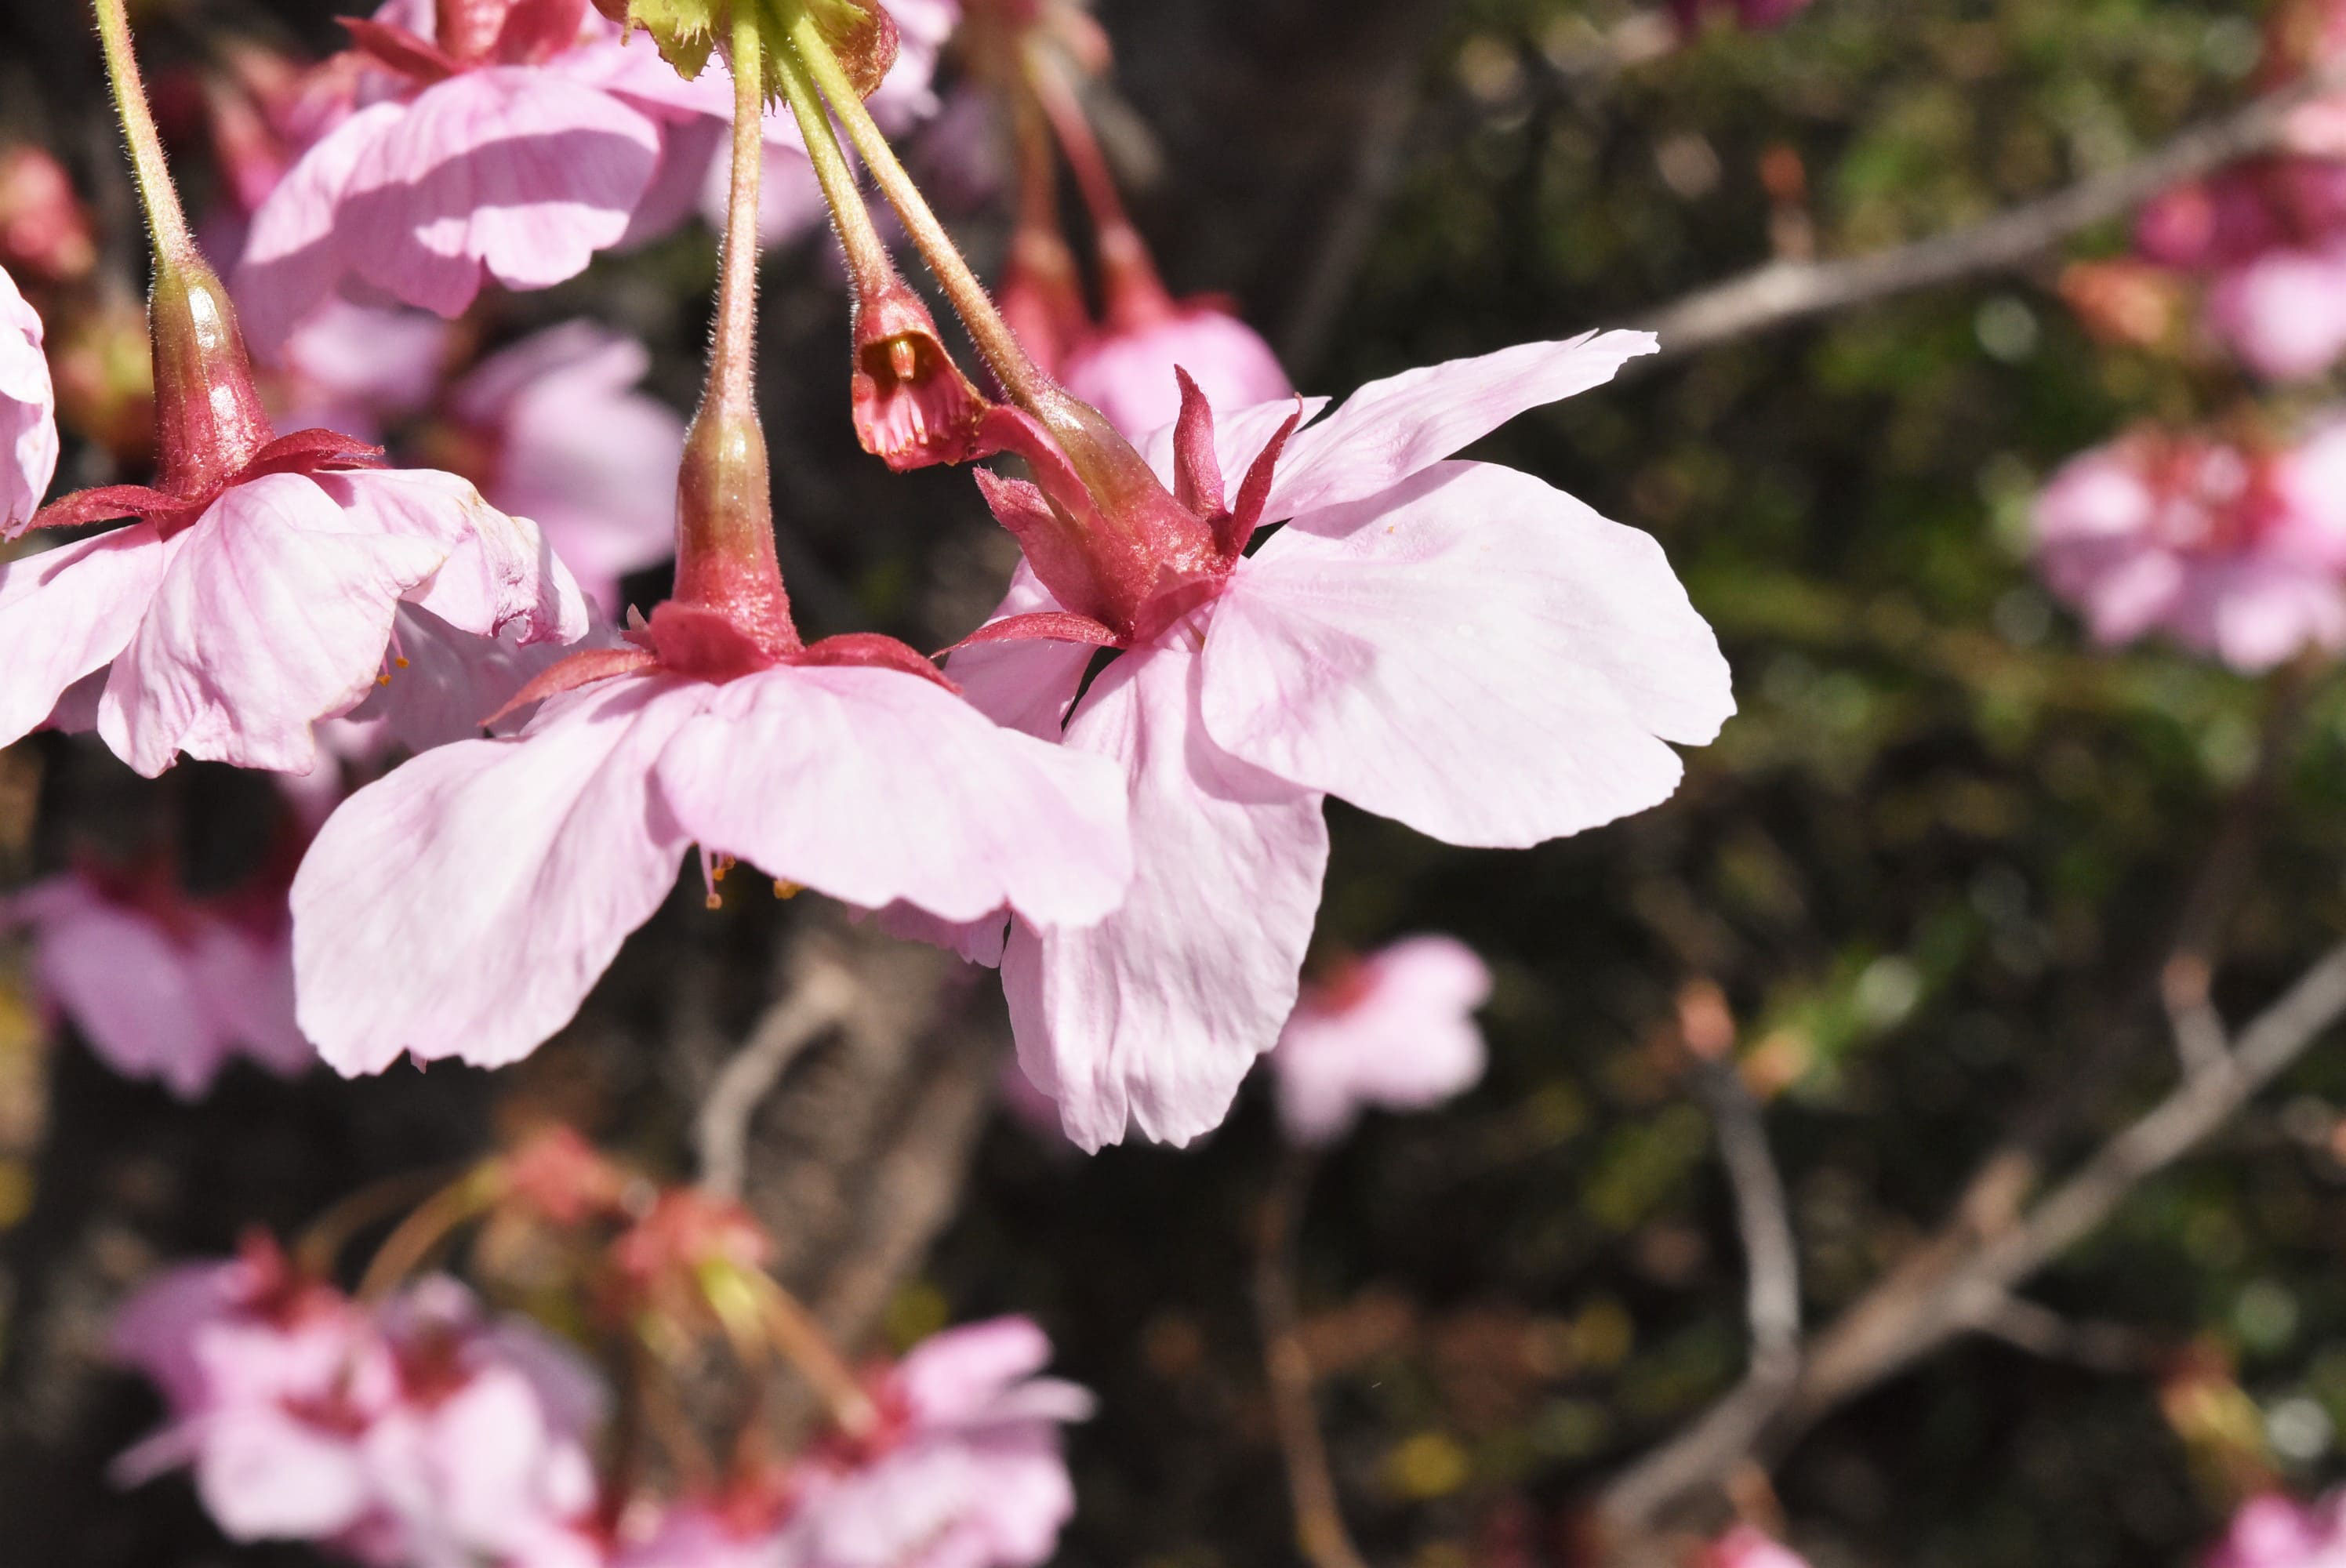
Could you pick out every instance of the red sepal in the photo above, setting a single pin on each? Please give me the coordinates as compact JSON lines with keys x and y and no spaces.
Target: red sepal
{"x":872,"y":651}
{"x":399,"y":50}
{"x":307,"y":451}
{"x":102,"y":504}
{"x":1196,"y":466}
{"x":1254,"y":491}
{"x":535,"y":30}
{"x":579,"y":669}
{"x":1041,"y":626}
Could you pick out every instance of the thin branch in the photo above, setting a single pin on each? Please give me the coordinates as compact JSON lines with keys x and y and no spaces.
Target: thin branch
{"x":1783,"y":291}
{"x":1965,"y":1279}
{"x":1763,"y":1217}
{"x":820,"y":999}
{"x":1286,"y":1368}
{"x":2110,"y":1348}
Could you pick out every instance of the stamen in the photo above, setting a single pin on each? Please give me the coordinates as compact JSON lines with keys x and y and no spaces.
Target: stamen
{"x":788,"y":890}
{"x":710,"y":876}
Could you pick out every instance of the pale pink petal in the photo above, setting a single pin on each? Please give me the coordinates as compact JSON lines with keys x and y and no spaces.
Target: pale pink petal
{"x":28,"y":411}
{"x":464,"y":905}
{"x":1153,"y":1017}
{"x":264,"y":1474}
{"x":581,"y":453}
{"x":501,"y":576}
{"x":874,"y":785}
{"x":511,"y":172}
{"x":1399,"y":1034}
{"x":955,"y":1375}
{"x":443,"y":685}
{"x":1129,"y":376}
{"x":272,"y":615}
{"x":355,"y":370}
{"x":293,"y":254}
{"x":1474,"y":652}
{"x":1745,"y":1547}
{"x":1028,"y":686}
{"x":245,"y":981}
{"x":1391,"y":429}
{"x":66,"y":613}
{"x":2255,"y":614}
{"x":2284,"y":313}
{"x":131,"y":991}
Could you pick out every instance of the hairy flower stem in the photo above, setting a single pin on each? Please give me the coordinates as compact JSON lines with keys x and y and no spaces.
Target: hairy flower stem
{"x":1025,"y":383}
{"x":165,"y":222}
{"x":867,"y":262}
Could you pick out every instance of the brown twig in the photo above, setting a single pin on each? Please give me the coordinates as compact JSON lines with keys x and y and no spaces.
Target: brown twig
{"x":1788,"y":291}
{"x":1286,"y":1368}
{"x":820,"y":998}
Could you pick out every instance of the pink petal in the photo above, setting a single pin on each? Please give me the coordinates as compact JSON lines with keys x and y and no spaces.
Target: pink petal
{"x":464,"y":905}
{"x":1129,"y":376}
{"x":129,"y":988}
{"x":292,"y":255}
{"x":28,"y":411}
{"x":1153,"y":1016}
{"x":64,"y":613}
{"x":445,"y":685}
{"x":1028,"y":685}
{"x":1391,"y":429}
{"x":353,"y":369}
{"x":511,"y":170}
{"x":2284,"y":313}
{"x":957,"y":1374}
{"x":264,"y":1474}
{"x":1474,"y":653}
{"x":501,"y":576}
{"x":245,"y":981}
{"x":272,"y":615}
{"x":875,"y":786}
{"x":1408,"y":1040}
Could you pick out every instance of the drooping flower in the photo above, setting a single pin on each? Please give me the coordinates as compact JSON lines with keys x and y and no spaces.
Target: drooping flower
{"x":554,"y":429}
{"x":161,"y":984}
{"x":1748,"y":1546}
{"x":420,"y":1434}
{"x":2276,"y":1532}
{"x":966,"y":1472}
{"x":1453,"y":645}
{"x":465,"y":904}
{"x":28,"y":411}
{"x":1394,"y":1030}
{"x":256,"y":590}
{"x":2235,"y":550}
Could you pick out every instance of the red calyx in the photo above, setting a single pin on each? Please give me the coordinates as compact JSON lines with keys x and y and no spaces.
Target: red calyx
{"x":912,"y":405}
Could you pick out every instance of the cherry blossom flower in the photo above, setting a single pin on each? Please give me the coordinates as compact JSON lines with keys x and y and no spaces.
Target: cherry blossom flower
{"x":1453,"y":645}
{"x":28,"y":411}
{"x":465,"y":904}
{"x":163,"y":985}
{"x":1395,"y":1029}
{"x":1126,"y":369}
{"x":2269,"y":236}
{"x":256,"y":590}
{"x":418,"y":1435}
{"x":554,"y":429}
{"x":966,"y":1471}
{"x":2276,"y":1532}
{"x":1745,"y":1547}
{"x":2235,"y":552}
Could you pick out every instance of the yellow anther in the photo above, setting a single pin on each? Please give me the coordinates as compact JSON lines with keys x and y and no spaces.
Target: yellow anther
{"x":904,"y":358}
{"x":402,"y":663}
{"x":783,"y":889}
{"x":715,"y":899}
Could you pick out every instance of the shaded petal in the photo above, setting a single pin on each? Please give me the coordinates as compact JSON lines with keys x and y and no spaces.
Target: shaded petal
{"x":511,"y":169}
{"x":293,"y":253}
{"x":1028,"y":686}
{"x":64,"y":613}
{"x":1153,"y":1016}
{"x":131,"y":991}
{"x":501,"y":576}
{"x":875,"y":786}
{"x":272,"y":615}
{"x":464,"y":905}
{"x":1394,"y":428}
{"x":1474,"y":653}
{"x":445,"y":684}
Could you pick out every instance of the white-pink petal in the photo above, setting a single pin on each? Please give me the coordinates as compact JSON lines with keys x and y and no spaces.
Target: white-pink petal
{"x":876,"y":786}
{"x":28,"y":411}
{"x":1026,"y":685}
{"x":66,"y":613}
{"x":1475,"y":654}
{"x":1399,"y":1034}
{"x":1391,"y":429}
{"x":464,"y":905}
{"x":292,"y":253}
{"x":499,"y":577}
{"x":271,"y":614}
{"x":1152,"y":1017}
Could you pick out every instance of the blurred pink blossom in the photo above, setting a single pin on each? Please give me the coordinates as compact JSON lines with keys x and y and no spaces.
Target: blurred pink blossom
{"x":2269,"y":236}
{"x":419,"y":1435}
{"x":1453,"y":645}
{"x":163,"y":985}
{"x":1746,"y":1546}
{"x":1126,"y":371}
{"x":2236,"y":552}
{"x":554,"y":429}
{"x":356,"y":368}
{"x":1394,"y":1030}
{"x":967,"y":1474}
{"x":28,"y":411}
{"x":2277,"y":1531}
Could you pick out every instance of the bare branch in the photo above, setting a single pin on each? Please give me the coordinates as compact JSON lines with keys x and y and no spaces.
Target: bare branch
{"x":818,"y":1000}
{"x":1763,"y":1217}
{"x":2110,"y":1348}
{"x":1286,"y":1368}
{"x":1786,"y":290}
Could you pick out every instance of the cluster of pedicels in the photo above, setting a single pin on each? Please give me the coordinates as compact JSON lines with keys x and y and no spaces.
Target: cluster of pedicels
{"x":2228,"y":537}
{"x":409,"y":1425}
